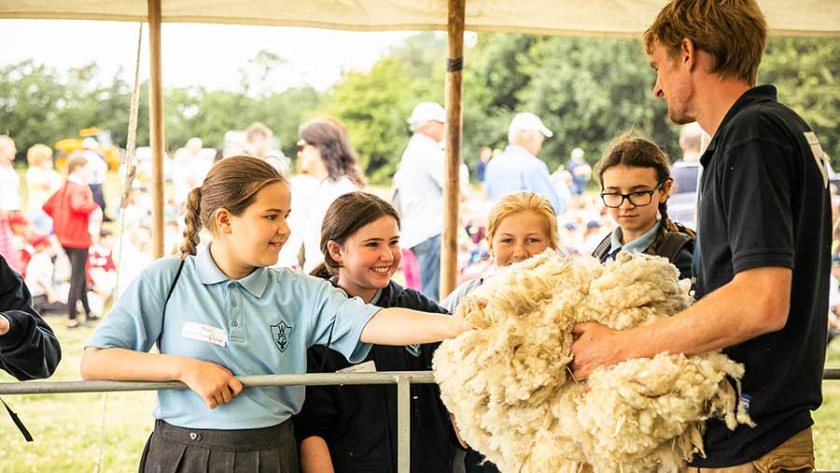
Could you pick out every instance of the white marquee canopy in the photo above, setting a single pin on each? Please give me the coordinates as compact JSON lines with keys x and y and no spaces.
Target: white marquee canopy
{"x":562,"y":17}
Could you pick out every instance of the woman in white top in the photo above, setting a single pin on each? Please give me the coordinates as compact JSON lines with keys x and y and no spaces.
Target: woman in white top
{"x":325,"y":153}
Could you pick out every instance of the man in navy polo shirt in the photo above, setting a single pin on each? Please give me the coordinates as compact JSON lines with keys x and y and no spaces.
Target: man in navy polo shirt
{"x":763,"y":254}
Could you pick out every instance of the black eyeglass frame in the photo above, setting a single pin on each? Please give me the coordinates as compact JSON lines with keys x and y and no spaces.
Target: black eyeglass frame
{"x":629,"y":197}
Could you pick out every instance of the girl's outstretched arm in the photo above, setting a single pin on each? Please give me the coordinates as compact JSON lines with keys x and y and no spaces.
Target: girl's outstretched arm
{"x":214,"y":383}
{"x":399,"y":326}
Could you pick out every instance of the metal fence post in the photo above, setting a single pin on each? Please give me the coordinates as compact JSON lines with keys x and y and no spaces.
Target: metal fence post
{"x":403,"y":424}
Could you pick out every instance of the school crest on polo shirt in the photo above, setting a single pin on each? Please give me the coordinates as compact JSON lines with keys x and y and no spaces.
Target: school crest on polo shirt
{"x":281,"y":334}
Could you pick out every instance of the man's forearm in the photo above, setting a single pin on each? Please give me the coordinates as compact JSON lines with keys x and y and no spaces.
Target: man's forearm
{"x":741,"y":310}
{"x":755,"y":302}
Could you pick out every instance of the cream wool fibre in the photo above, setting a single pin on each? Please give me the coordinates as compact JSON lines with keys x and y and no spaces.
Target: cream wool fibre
{"x":509,"y":385}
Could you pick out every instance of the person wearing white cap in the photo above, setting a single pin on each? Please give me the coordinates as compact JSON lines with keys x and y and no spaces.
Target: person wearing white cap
{"x":518,"y":168}
{"x":418,"y":187}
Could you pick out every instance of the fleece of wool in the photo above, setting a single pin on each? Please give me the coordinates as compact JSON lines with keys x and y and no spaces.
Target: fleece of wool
{"x":509,"y":385}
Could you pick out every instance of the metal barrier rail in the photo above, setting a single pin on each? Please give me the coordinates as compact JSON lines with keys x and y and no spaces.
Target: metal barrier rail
{"x":312,"y":379}
{"x":403,"y":380}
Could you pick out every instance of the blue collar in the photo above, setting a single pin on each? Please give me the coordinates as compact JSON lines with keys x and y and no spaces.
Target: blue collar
{"x":209,"y":273}
{"x":639,"y":244}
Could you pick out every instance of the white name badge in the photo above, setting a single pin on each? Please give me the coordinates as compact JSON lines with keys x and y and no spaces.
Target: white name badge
{"x":366,"y":367}
{"x":204,"y":333}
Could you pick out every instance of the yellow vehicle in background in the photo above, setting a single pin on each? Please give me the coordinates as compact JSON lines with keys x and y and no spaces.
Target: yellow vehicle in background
{"x":104,"y":146}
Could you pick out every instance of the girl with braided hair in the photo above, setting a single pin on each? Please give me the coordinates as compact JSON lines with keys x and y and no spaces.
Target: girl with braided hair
{"x":222,"y":311}
{"x":635,"y":183}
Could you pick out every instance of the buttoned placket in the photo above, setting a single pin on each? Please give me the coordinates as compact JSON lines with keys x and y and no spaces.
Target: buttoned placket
{"x":236,"y":332}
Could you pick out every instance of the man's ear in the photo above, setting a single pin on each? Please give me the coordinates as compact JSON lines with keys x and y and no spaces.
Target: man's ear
{"x":688,"y":54}
{"x":221,"y":218}
{"x":335,"y":251}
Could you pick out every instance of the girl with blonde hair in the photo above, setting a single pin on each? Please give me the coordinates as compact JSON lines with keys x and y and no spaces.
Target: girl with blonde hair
{"x":521,"y":225}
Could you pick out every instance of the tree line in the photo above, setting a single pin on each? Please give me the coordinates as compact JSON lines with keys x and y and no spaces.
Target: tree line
{"x":587,"y":90}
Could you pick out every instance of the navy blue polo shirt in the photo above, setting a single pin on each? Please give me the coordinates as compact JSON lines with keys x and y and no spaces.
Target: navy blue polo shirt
{"x":765,"y":203}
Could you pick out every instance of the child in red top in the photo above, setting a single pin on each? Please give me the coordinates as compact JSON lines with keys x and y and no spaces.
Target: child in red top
{"x":71,"y":208}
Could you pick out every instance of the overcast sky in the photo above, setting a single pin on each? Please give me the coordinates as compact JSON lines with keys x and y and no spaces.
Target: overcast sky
{"x":207,"y":55}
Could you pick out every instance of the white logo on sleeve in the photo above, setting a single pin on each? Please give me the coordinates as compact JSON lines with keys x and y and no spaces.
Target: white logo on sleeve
{"x":819,"y":155}
{"x":204,"y":333}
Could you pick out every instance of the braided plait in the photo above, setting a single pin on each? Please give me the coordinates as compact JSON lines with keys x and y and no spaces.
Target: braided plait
{"x":665,"y":226}
{"x":193,"y":223}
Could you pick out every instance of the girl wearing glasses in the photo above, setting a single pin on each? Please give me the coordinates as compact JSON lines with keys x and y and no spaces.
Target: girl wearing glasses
{"x":635,"y":183}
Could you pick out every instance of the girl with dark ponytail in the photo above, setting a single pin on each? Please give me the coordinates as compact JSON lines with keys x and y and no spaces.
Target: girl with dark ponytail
{"x":635,"y":183}
{"x":222,"y":311}
{"x":353,"y":428}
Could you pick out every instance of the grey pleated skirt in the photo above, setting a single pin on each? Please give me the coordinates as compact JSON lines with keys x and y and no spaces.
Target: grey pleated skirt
{"x":172,"y":449}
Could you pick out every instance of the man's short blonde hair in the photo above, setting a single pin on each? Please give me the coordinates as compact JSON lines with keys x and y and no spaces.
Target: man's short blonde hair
{"x":734,"y":32}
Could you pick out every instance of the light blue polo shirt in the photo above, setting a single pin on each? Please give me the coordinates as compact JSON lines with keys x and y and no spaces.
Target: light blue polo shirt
{"x":269,"y":319}
{"x":636,"y":246}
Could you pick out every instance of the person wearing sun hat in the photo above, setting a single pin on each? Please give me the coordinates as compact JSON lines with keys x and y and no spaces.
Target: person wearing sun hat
{"x":518,"y":168}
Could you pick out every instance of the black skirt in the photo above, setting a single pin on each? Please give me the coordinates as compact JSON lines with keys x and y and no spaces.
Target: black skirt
{"x":172,"y":449}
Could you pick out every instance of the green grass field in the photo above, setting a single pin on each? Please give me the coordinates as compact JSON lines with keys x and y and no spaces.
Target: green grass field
{"x":83,"y":432}
{"x":71,"y":430}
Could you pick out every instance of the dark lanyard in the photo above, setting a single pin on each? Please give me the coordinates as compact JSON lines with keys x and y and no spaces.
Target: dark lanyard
{"x":168,"y":295}
{"x":17,"y":422}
